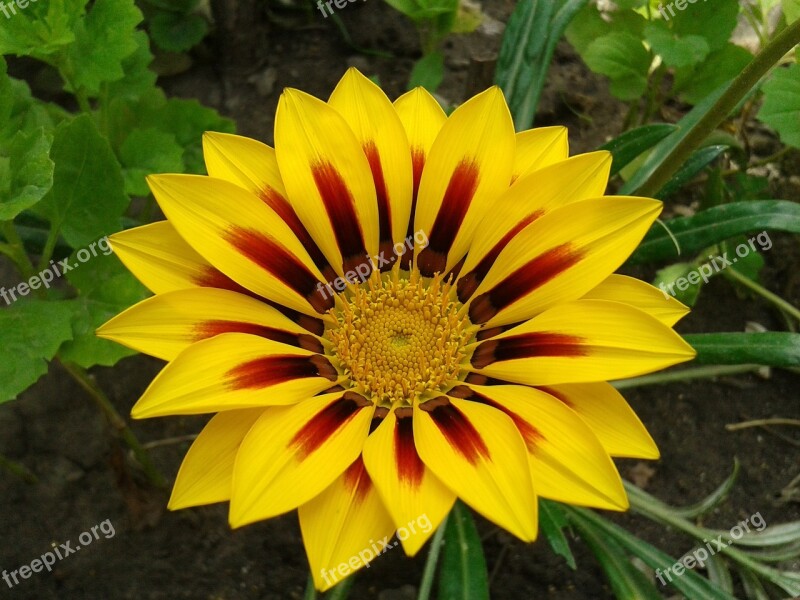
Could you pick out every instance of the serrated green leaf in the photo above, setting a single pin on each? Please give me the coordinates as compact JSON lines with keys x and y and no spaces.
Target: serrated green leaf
{"x":628,"y":146}
{"x":621,"y":57}
{"x":714,"y":21}
{"x":106,"y":289}
{"x":716,"y":225}
{"x":31,"y":332}
{"x":696,"y":82}
{"x":139,"y":78}
{"x":103,"y":39}
{"x":176,"y":32}
{"x":148,"y":151}
{"x":29,"y":172}
{"x":88,"y":198}
{"x":41,"y":29}
{"x":462,"y":572}
{"x":552,"y":521}
{"x":781,"y":108}
{"x":674,"y":50}
{"x":770,"y":348}
{"x":585,"y":27}
{"x":428,"y":72}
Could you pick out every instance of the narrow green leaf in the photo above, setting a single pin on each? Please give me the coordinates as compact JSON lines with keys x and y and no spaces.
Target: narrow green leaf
{"x":631,"y":144}
{"x":462,"y":574}
{"x":552,"y":521}
{"x":30,"y":333}
{"x":715,"y":225}
{"x":770,"y":348}
{"x":698,"y":161}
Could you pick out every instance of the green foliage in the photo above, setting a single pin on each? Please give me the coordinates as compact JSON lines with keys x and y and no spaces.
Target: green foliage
{"x":463,"y":574}
{"x":175,"y":25}
{"x":428,"y":72}
{"x":781,"y":108}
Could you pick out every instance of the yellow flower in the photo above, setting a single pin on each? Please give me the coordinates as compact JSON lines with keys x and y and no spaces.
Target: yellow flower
{"x":393,"y":309}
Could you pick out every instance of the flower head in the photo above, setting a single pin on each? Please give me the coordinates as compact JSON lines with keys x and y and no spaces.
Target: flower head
{"x":392,"y":309}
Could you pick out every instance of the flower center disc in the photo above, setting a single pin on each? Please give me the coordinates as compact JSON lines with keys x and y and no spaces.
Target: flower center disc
{"x":399,"y":338}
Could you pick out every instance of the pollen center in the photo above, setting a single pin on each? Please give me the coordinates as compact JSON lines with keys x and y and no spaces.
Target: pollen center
{"x":400,"y":338}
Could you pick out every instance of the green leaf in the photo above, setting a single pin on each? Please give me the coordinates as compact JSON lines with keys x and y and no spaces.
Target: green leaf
{"x":633,"y":143}
{"x":586,"y":26}
{"x":696,"y":82}
{"x":716,"y":225}
{"x":462,"y":573}
{"x":675,"y":51}
{"x":428,"y":72}
{"x":714,"y":21}
{"x":148,"y":151}
{"x":675,"y":280}
{"x":41,"y":29}
{"x":698,"y":161}
{"x":106,"y":289}
{"x":623,"y":58}
{"x":103,"y":39}
{"x":552,"y":520}
{"x":781,"y":108}
{"x":139,"y":78}
{"x":527,"y":50}
{"x":26,"y":172}
{"x":176,"y":32}
{"x":770,"y":348}
{"x":30,"y":333}
{"x":87,"y":199}
{"x":791,"y":10}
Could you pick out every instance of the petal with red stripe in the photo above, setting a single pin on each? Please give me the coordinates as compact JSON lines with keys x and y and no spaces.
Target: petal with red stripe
{"x":165,"y":325}
{"x":328,"y":179}
{"x":375,"y":122}
{"x":581,"y":341}
{"x":560,"y":257}
{"x":345,"y":524}
{"x":409,"y":489}
{"x":294,"y":453}
{"x":467,"y":168}
{"x":478,"y":453}
{"x":235,"y":370}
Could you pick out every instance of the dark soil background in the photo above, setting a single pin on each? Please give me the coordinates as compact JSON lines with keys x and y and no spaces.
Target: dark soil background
{"x":86,"y":476}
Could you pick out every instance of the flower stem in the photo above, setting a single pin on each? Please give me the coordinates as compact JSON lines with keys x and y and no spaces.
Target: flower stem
{"x":88,"y":383}
{"x":763,"y":292}
{"x":684,"y":375}
{"x":769,"y":56}
{"x":426,"y":584}
{"x":17,"y":469}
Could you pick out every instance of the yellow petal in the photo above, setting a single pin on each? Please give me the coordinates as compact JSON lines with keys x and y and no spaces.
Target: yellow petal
{"x":567,"y":461}
{"x":345,"y":527}
{"x":292,"y":454}
{"x":581,"y":341}
{"x":479,"y":454}
{"x":165,"y":325}
{"x":529,"y":199}
{"x":234,"y":370}
{"x":468,"y":167}
{"x":642,"y":295}
{"x":378,"y":129}
{"x":328,"y":179}
{"x":537,"y":148}
{"x":608,"y":415}
{"x":242,"y":237}
{"x":409,"y":489}
{"x":207,"y":469}
{"x":560,"y":257}
{"x":253,"y":166}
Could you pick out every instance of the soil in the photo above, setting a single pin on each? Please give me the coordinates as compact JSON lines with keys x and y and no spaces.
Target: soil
{"x":86,"y":477}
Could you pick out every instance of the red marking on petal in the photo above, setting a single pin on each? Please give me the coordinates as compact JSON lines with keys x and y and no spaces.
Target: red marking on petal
{"x":455,"y":204}
{"x":274,"y":258}
{"x":209,"y":329}
{"x":341,"y":209}
{"x":410,"y":468}
{"x":384,"y":206}
{"x":357,"y":480}
{"x":529,"y":433}
{"x":523,"y":281}
{"x":272,"y":370}
{"x":325,"y":423}
{"x":417,"y":165}
{"x":528,"y":345}
{"x":458,"y":430}
{"x":285,"y":211}
{"x":557,"y":395}
{"x":470,"y":282}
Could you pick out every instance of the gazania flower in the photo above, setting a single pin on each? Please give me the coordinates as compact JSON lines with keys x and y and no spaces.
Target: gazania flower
{"x":392,"y":309}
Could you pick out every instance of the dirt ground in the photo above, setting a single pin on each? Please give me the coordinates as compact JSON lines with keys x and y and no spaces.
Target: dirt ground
{"x":85,"y":477}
